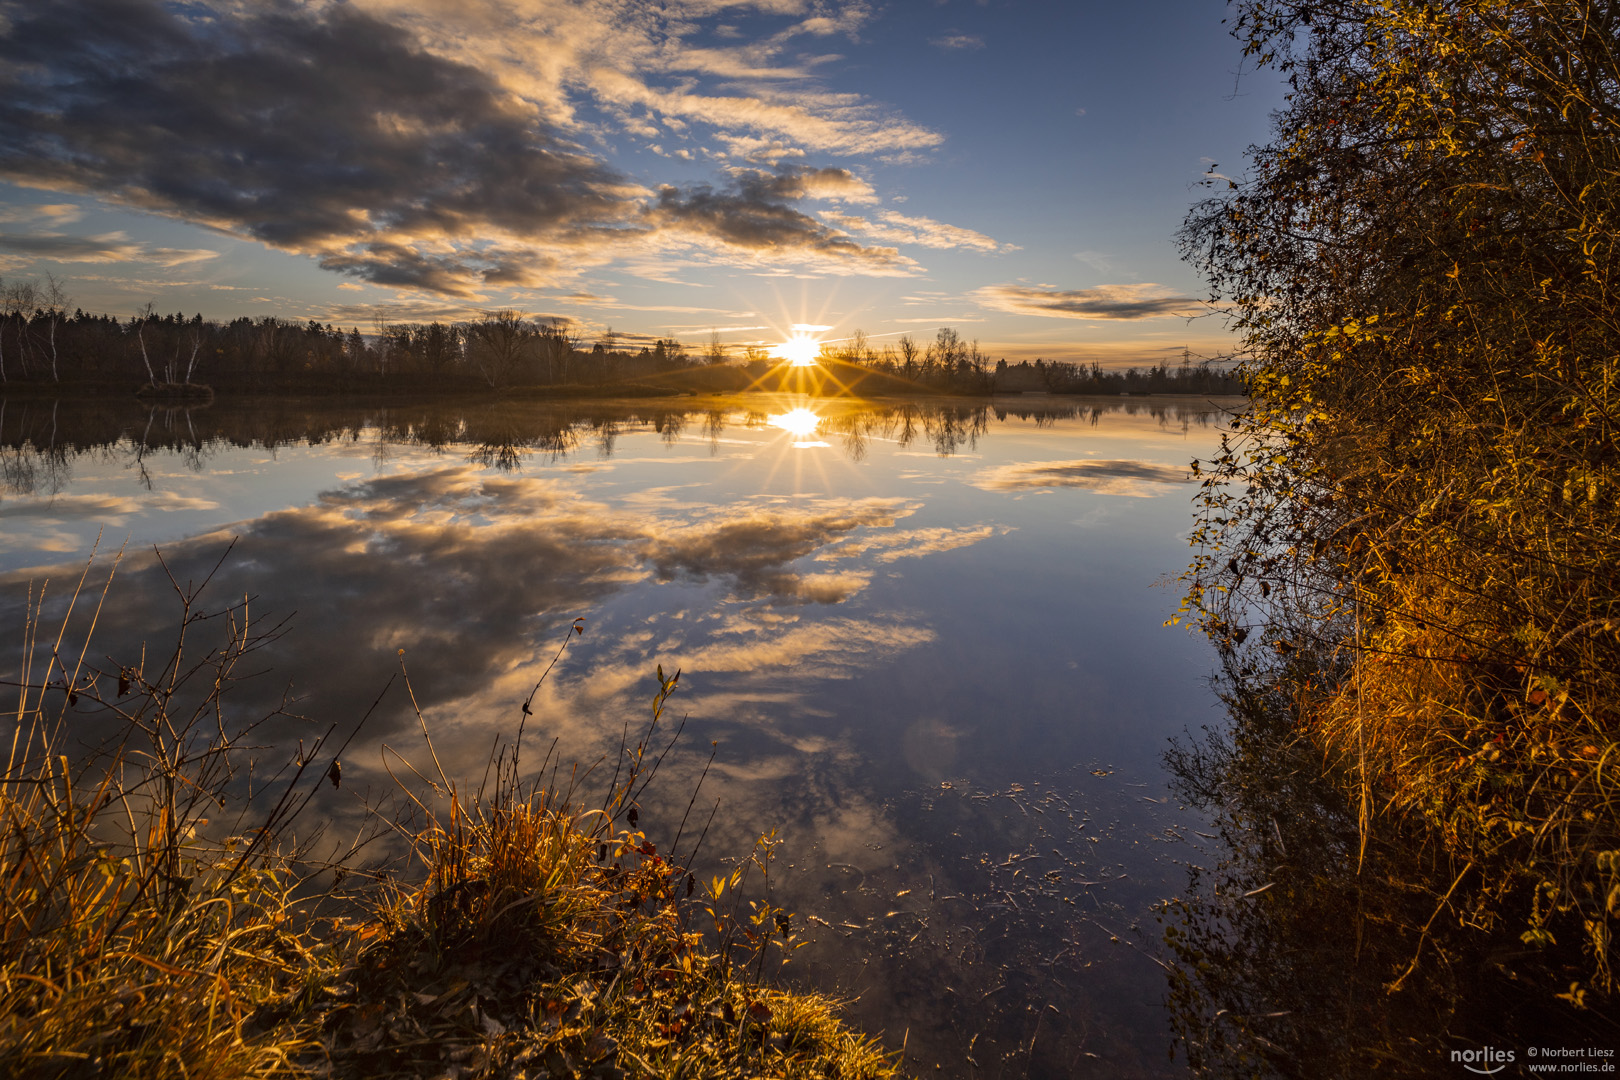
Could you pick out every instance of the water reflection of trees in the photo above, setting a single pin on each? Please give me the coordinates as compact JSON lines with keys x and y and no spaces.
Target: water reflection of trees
{"x":1300,"y":956}
{"x":40,"y":439}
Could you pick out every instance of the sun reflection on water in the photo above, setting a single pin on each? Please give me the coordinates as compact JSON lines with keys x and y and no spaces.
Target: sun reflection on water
{"x":801,"y":423}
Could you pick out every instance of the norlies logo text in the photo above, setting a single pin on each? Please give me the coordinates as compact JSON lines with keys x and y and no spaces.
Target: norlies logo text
{"x":1485,"y":1061}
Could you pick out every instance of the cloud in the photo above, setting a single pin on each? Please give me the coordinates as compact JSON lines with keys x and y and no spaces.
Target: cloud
{"x":842,"y":647}
{"x":837,"y":185}
{"x":99,"y":506}
{"x":1106,"y":477}
{"x":511,"y":557}
{"x":889,"y":547}
{"x":755,"y":549}
{"x":55,"y":213}
{"x":1099,"y":261}
{"x":396,"y":311}
{"x":106,"y":248}
{"x":791,"y":119}
{"x":1112,"y":302}
{"x":753,"y":220}
{"x":898,"y":228}
{"x":330,"y":134}
{"x":394,"y":142}
{"x":957,"y":42}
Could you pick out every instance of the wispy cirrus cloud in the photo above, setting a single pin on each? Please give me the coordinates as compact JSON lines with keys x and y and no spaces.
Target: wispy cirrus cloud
{"x":441,"y":148}
{"x":898,"y":228}
{"x":911,"y":543}
{"x":1109,"y":302}
{"x":42,"y":213}
{"x":107,"y":248}
{"x":767,"y":122}
{"x":956,"y":42}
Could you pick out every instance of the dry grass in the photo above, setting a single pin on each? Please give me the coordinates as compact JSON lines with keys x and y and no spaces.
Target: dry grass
{"x":137,"y":935}
{"x":143,"y":936}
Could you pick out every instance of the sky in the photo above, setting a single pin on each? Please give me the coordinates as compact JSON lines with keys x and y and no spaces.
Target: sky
{"x":686,"y":168}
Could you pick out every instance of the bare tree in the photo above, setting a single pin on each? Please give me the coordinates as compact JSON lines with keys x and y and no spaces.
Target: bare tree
{"x":142,"y":317}
{"x":499,"y":343}
{"x":947,"y":350}
{"x":54,"y":302}
{"x":380,"y":323}
{"x":908,"y":355}
{"x":553,"y":343}
{"x":195,"y":336}
{"x":17,"y":304}
{"x":858,"y":349}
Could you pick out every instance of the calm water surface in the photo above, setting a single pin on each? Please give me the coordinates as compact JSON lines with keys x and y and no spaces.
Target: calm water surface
{"x":927,"y":639}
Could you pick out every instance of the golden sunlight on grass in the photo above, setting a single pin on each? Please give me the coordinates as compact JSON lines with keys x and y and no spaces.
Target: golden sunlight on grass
{"x":135,"y":941}
{"x":800,"y":422}
{"x":800,"y":350}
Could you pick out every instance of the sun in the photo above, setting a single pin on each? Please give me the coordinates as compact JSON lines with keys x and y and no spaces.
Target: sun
{"x":800,"y":423}
{"x":800,"y":350}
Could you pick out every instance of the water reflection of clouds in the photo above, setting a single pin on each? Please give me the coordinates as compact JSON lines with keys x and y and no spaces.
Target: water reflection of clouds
{"x":54,"y":524}
{"x":912,"y":543}
{"x":754,"y":546}
{"x":466,"y":571}
{"x":1106,"y":477}
{"x":102,"y":506}
{"x":830,"y":687}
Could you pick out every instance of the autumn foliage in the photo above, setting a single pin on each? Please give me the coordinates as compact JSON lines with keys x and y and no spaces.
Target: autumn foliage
{"x":1414,"y":527}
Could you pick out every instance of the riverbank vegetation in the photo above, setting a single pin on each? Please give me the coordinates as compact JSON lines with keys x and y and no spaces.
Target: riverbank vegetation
{"x":1304,"y":946}
{"x":167,"y":911}
{"x":1413,"y":531}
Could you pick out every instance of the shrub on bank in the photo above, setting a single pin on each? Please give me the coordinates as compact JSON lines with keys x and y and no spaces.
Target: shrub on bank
{"x":1421,"y":498}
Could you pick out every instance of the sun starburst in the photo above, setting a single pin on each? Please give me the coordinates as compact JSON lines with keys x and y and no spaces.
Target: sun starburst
{"x":800,"y":350}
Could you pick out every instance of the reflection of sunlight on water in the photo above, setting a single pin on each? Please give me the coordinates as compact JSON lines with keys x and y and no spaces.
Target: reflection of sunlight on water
{"x":801,"y":423}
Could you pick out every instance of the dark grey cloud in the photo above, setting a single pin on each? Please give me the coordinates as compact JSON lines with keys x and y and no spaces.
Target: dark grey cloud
{"x":1112,"y":302}
{"x":329,"y":132}
{"x":754,"y":217}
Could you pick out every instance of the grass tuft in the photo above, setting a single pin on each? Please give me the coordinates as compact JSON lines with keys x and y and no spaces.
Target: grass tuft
{"x":143,"y":935}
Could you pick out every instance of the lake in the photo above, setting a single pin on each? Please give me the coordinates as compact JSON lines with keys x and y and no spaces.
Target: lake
{"x":923,"y":640}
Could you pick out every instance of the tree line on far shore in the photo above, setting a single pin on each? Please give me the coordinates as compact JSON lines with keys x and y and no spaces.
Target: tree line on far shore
{"x":950,"y":364}
{"x":41,"y":343}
